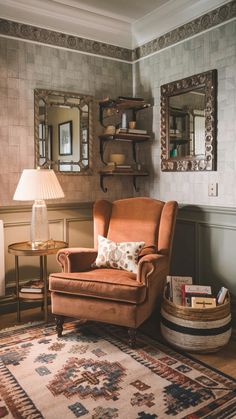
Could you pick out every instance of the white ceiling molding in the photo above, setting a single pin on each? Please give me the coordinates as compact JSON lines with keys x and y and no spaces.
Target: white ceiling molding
{"x":169,"y":16}
{"x":116,"y":23}
{"x":66,"y":19}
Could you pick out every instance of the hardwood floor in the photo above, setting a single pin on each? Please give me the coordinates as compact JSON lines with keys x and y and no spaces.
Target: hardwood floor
{"x":223,"y":360}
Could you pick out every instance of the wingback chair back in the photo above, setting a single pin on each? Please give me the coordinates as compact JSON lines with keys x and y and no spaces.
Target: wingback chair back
{"x":136,"y":219}
{"x":118,"y":296}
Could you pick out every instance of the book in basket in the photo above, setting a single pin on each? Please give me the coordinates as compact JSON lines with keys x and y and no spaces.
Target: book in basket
{"x":190,"y":291}
{"x":33,"y":287}
{"x":175,"y":287}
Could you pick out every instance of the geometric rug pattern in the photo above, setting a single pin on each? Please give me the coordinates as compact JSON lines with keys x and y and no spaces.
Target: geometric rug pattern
{"x":91,"y":372}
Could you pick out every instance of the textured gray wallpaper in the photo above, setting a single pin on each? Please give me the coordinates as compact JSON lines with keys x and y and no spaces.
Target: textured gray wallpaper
{"x":214,"y":49}
{"x":26,"y":66}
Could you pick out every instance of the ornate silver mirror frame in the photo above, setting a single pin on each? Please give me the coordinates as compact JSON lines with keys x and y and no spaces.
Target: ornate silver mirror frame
{"x":177,"y":143}
{"x":63,"y":128}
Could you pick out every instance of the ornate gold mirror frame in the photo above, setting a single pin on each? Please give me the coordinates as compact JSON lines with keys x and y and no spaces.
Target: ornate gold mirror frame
{"x":63,"y":131}
{"x":187,"y":105}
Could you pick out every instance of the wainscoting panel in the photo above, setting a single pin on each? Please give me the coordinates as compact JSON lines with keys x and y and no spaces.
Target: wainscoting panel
{"x":204,"y":248}
{"x":79,"y":232}
{"x":69,"y":222}
{"x":184,"y":249}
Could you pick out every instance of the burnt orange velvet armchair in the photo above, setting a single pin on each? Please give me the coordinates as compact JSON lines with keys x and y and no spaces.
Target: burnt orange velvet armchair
{"x":117,"y":296}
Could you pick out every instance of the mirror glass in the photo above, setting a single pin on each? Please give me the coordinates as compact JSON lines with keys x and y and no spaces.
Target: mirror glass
{"x":63,"y":131}
{"x":188,"y":123}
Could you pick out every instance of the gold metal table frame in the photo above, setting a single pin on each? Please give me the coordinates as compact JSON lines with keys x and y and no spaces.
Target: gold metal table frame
{"x":25,"y":249}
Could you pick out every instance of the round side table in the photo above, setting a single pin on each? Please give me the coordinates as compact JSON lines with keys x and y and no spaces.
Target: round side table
{"x":25,"y":249}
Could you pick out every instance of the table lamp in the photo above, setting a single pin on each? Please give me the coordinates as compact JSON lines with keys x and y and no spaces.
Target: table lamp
{"x":38,"y":185}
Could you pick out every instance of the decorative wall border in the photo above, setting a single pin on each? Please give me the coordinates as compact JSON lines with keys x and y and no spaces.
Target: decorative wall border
{"x":207,"y":21}
{"x":58,"y":39}
{"x":48,"y":37}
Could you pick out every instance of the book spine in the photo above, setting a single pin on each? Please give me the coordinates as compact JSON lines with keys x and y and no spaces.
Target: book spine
{"x":183,"y":295}
{"x":222,"y":295}
{"x":33,"y":290}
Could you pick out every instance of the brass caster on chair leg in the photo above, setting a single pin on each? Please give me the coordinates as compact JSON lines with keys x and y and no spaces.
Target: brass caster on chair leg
{"x":59,"y":325}
{"x":132,"y":337}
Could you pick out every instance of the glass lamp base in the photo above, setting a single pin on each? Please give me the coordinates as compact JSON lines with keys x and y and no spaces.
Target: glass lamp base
{"x":39,"y":224}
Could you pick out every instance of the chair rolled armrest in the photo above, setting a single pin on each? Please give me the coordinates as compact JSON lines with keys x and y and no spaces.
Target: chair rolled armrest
{"x":151,"y":264}
{"x":74,"y":259}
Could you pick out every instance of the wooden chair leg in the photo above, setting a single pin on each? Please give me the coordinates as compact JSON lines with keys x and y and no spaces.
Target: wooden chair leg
{"x":132,"y":337}
{"x":59,"y":325}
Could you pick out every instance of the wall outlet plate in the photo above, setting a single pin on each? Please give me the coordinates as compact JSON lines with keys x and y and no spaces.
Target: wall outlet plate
{"x":213,"y":189}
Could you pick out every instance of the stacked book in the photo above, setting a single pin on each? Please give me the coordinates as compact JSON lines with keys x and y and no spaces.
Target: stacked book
{"x":181,"y":291}
{"x":110,"y":168}
{"x":131,"y":131}
{"x":32,"y":289}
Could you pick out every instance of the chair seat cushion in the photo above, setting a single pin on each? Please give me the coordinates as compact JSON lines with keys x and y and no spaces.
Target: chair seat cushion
{"x":108,"y":284}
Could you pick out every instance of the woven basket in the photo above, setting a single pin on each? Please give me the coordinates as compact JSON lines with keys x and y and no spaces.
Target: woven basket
{"x":200,"y":330}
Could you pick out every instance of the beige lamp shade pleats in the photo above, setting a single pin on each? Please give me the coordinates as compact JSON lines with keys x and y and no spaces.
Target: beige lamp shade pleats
{"x":37,"y":184}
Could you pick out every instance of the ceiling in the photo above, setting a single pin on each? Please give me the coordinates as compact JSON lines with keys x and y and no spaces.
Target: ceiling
{"x":125,"y":23}
{"x":126,"y":10}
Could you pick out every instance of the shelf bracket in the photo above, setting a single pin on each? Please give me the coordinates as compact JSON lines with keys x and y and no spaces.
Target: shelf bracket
{"x":135,"y":184}
{"x":134,"y":151}
{"x":102,"y":151}
{"x":104,"y":189}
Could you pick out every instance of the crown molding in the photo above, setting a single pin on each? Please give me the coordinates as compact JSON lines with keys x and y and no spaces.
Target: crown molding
{"x":77,"y":19}
{"x":69,"y":20}
{"x":170,"y":16}
{"x":37,"y":34}
{"x":201,"y":24}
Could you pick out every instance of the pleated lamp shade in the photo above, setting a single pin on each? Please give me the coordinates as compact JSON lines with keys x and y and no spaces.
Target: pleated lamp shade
{"x":37,"y":184}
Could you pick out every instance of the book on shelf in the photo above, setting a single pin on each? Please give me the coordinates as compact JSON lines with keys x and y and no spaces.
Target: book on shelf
{"x":112,"y":169}
{"x":33,"y":287}
{"x":222,"y":294}
{"x":203,"y":302}
{"x":31,"y":295}
{"x":123,"y":166}
{"x":131,"y":131}
{"x":174,"y":284}
{"x":121,"y":130}
{"x":131,"y":98}
{"x":137,"y":131}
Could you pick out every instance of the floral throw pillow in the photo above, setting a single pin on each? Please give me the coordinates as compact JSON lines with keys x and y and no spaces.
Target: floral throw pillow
{"x":122,"y":255}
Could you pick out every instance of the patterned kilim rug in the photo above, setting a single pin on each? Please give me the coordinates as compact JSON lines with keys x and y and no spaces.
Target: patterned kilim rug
{"x":92,"y":373}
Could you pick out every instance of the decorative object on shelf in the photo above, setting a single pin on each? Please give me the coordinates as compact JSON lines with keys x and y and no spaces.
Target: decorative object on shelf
{"x":117,"y":158}
{"x":37,"y":185}
{"x":124,"y":120}
{"x":110,"y":130}
{"x":132,"y":124}
{"x":189,"y":123}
